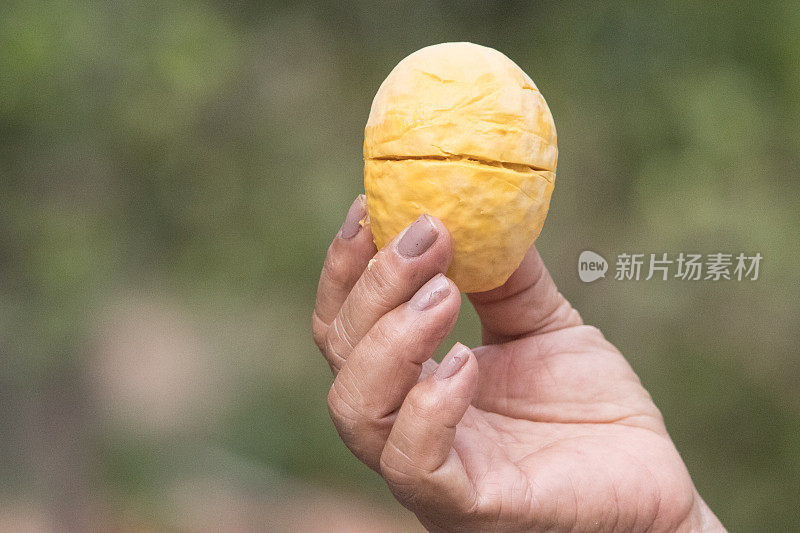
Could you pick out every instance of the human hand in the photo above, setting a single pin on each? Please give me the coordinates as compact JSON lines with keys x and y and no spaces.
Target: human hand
{"x":544,"y":427}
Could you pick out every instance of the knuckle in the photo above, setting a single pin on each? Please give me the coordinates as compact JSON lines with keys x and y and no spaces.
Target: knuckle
{"x":391,"y":471}
{"x":422,"y":404}
{"x":382,"y":280}
{"x":345,"y":329}
{"x":573,"y":317}
{"x":358,"y":431}
{"x":337,"y":343}
{"x":334,"y":402}
{"x":565,"y":314}
{"x":403,"y":480}
{"x":318,"y":331}
{"x":319,"y":340}
{"x":346,"y":419}
{"x":592,"y":332}
{"x":592,"y":336}
{"x":383,"y":335}
{"x":335,"y":269}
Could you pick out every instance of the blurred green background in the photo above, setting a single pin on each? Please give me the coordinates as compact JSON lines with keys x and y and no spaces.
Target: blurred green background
{"x":171,"y":174}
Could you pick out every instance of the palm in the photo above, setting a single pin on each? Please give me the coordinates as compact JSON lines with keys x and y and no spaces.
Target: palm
{"x":561,"y":415}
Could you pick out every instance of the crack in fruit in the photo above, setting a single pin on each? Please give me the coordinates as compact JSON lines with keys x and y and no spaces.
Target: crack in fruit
{"x":516,"y":167}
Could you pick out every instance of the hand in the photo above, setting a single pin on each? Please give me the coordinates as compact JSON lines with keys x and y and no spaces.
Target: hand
{"x":544,"y":427}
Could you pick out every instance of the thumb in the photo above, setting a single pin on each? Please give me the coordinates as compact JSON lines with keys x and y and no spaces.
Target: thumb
{"x":528,"y":303}
{"x":419,"y":462}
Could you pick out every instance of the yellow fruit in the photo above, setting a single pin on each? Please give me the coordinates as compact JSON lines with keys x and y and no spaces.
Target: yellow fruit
{"x":459,"y":131}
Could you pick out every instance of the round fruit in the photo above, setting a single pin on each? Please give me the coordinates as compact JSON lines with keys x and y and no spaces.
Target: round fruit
{"x":459,"y":131}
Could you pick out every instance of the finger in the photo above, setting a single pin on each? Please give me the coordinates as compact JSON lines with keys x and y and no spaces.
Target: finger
{"x":386,"y":364}
{"x":418,"y":461}
{"x":396,"y":272}
{"x":347,"y":257}
{"x":528,"y":303}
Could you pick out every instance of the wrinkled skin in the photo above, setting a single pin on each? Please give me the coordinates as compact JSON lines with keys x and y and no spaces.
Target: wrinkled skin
{"x":545,"y":427}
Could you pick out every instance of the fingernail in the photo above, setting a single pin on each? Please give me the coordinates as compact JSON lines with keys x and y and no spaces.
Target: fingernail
{"x":431,"y":293}
{"x":452,"y":362}
{"x":418,"y":238}
{"x":352,"y":223}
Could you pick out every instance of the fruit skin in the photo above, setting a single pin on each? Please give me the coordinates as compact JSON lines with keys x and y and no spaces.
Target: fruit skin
{"x":459,"y":131}
{"x":491,"y":212}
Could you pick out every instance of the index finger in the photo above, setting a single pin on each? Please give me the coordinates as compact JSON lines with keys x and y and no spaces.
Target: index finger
{"x":347,"y":257}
